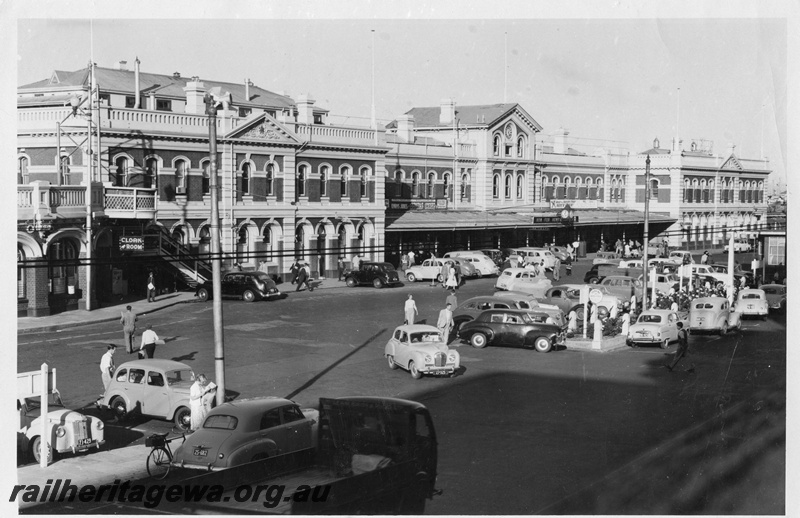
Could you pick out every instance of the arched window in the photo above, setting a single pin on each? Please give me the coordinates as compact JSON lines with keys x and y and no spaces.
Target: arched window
{"x":21,"y":288}
{"x":120,"y":170}
{"x":520,"y":147}
{"x":415,"y":183}
{"x":687,"y":191}
{"x":204,"y":244}
{"x":430,"y":184}
{"x":302,"y":175}
{"x":180,"y":176}
{"x":364,"y":174}
{"x":151,"y":172}
{"x":446,"y":185}
{"x":324,"y":174}
{"x":496,"y":186}
{"x":520,"y":179}
{"x":464,"y":183}
{"x":398,"y":176}
{"x":345,"y":170}
{"x":507,"y":190}
{"x":22,"y":170}
{"x":245,"y":178}
{"x":206,"y":183}
{"x":242,"y":252}
{"x":270,"y":178}
{"x":496,"y":145}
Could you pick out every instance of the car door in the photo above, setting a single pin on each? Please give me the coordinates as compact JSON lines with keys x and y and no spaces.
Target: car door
{"x":230,"y":285}
{"x":401,"y":348}
{"x":512,"y":329}
{"x":298,"y":428}
{"x":134,"y":388}
{"x":498,"y":326}
{"x":271,"y":428}
{"x":156,"y":394}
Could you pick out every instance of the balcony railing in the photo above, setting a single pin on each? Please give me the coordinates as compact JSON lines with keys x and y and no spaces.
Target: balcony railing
{"x":130,"y":202}
{"x":40,"y":200}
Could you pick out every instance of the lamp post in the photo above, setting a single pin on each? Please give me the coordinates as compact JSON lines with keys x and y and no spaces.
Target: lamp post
{"x":645,"y":269}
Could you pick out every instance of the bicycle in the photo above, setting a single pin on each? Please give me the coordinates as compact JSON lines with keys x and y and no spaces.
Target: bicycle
{"x":159,"y":460}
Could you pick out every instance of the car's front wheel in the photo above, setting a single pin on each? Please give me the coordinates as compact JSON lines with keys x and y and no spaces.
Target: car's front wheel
{"x":390,"y":359}
{"x":248,"y":296}
{"x":377,"y":283}
{"x":119,"y":407}
{"x":36,"y":450}
{"x":202,"y":294}
{"x":542,"y":344}
{"x":351,"y":282}
{"x":411,"y":277}
{"x":478,"y":340}
{"x":412,"y":368}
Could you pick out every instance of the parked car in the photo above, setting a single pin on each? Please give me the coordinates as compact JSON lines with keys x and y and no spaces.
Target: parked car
{"x":738,"y":273}
{"x":248,"y":286}
{"x":542,"y":256}
{"x":656,"y":326}
{"x":511,"y":300}
{"x":483,"y":265}
{"x":374,"y":274}
{"x":494,"y":254}
{"x":739,"y":245}
{"x":247,"y":430}
{"x":560,"y":252}
{"x":663,"y":282}
{"x":420,"y":349}
{"x":598,"y":272}
{"x":623,"y":287}
{"x":752,"y":301}
{"x":712,"y":314}
{"x":523,"y":279}
{"x":678,"y":256}
{"x":511,"y":327}
{"x":432,"y":269}
{"x":568,"y":297}
{"x":659,"y":263}
{"x":707,"y":271}
{"x":465,"y":266}
{"x":605,"y":258}
{"x":153,"y":387}
{"x":776,"y":296}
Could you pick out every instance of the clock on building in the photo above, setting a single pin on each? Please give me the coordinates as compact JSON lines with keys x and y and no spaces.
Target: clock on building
{"x":565,"y":214}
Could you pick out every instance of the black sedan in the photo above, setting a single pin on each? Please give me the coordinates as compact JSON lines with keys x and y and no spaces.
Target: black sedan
{"x":510,"y":327}
{"x":248,"y":286}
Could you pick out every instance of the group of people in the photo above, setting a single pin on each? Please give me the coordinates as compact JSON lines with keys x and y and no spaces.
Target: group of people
{"x":146,"y":349}
{"x":445,"y":320}
{"x":301,"y":275}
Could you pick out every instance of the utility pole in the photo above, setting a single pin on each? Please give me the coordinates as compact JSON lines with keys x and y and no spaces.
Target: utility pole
{"x":645,"y":269}
{"x":216,"y":252}
{"x":89,"y":179}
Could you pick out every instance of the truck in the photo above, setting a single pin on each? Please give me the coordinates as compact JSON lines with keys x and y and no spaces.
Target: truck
{"x":374,"y":455}
{"x":67,"y":430}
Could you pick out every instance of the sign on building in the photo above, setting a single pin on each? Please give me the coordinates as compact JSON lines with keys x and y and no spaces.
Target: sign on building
{"x":130,"y":243}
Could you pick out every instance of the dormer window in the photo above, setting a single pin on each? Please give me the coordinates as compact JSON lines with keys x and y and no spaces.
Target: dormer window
{"x":317,"y":118}
{"x":245,"y":112}
{"x":164,"y":105}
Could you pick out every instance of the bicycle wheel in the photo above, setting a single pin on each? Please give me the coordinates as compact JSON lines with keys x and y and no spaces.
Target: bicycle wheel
{"x":158,"y":463}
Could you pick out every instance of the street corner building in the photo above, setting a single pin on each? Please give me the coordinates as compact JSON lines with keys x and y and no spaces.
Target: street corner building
{"x":114,"y":179}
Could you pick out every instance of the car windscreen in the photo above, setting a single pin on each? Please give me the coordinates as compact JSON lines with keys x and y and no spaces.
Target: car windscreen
{"x":389,"y":267}
{"x":221,"y":422}
{"x":35,"y":402}
{"x":178,"y":376}
{"x":649,"y":319}
{"x":426,"y":336}
{"x":773,"y":291}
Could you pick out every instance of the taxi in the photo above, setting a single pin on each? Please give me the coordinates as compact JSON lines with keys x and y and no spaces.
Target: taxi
{"x":713,"y":314}
{"x":655,"y":326}
{"x":752,"y":301}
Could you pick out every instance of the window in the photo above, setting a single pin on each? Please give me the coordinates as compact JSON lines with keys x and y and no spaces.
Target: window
{"x":206,"y":184}
{"x":291,"y":414}
{"x":164,"y":105}
{"x":122,"y":374}
{"x":130,"y":101}
{"x":270,"y":419}
{"x":121,"y":171}
{"x":345,"y":179}
{"x":520,"y":147}
{"x":687,"y":191}
{"x":496,"y":186}
{"x":136,"y":376}
{"x":245,"y":112}
{"x":324,"y":174}
{"x":446,"y":186}
{"x":155,"y":379}
{"x":508,"y":187}
{"x":21,"y":292}
{"x":520,"y":180}
{"x":151,"y":172}
{"x":415,"y":183}
{"x":496,"y":145}
{"x":508,"y":148}
{"x":180,"y":175}
{"x":317,"y":118}
{"x":22,"y":170}
{"x":270,"y":175}
{"x":63,"y":255}
{"x":654,"y":189}
{"x":364,"y":174}
{"x":464,"y":183}
{"x":429,"y":189}
{"x":302,"y":175}
{"x":245,"y":178}
{"x":221,"y":422}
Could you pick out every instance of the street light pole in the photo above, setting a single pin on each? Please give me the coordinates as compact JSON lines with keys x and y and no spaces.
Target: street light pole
{"x":645,"y":269}
{"x":216,"y":253}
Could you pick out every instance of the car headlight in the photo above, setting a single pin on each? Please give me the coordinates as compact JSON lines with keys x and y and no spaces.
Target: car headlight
{"x":99,"y":424}
{"x":60,"y":431}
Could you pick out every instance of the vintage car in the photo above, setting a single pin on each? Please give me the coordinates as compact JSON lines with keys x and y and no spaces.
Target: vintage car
{"x":707,"y":271}
{"x":466,"y":267}
{"x":656,"y":326}
{"x":152,"y":387}
{"x":776,"y":296}
{"x":505,"y":300}
{"x":605,"y":258}
{"x":663,"y":282}
{"x":679,"y":255}
{"x":712,"y":314}
{"x":420,"y":349}
{"x":246,"y":430}
{"x":567,"y":298}
{"x":494,"y":254}
{"x":738,"y":273}
{"x":623,"y":287}
{"x":524,"y":280}
{"x":739,"y":245}
{"x":541,"y":256}
{"x":483,"y":265}
{"x":511,"y":327}
{"x":432,"y":269}
{"x":374,"y":274}
{"x":559,"y":252}
{"x":752,"y":301}
{"x":67,"y":430}
{"x":248,"y":286}
{"x":598,"y":272}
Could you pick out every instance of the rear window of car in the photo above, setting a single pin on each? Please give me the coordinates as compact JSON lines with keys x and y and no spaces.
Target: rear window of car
{"x":703,"y":306}
{"x":650,"y":319}
{"x":221,"y":422}
{"x":773,"y":291}
{"x":751,"y":296}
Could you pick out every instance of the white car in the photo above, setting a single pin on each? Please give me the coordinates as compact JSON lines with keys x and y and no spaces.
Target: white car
{"x":713,"y":314}
{"x":678,"y":255}
{"x":482,"y":263}
{"x":420,"y":349}
{"x":540,"y":256}
{"x":656,"y":326}
{"x":662,"y":281}
{"x":524,"y":280}
{"x":429,"y":269}
{"x":752,"y":301}
{"x":706,"y":270}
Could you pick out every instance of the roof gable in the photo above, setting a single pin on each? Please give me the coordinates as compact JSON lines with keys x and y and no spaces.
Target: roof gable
{"x":262,"y":127}
{"x":482,"y":114}
{"x":732,"y":163}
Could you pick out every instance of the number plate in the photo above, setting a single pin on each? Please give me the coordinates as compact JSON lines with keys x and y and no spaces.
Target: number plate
{"x":435,"y":372}
{"x":84,"y":442}
{"x":200,"y":452}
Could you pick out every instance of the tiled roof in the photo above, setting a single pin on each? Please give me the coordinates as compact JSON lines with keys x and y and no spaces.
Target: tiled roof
{"x":426,"y":117}
{"x":656,"y":151}
{"x":122,"y":81}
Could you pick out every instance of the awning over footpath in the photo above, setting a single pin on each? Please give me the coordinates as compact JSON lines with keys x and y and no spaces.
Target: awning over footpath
{"x":467,"y":220}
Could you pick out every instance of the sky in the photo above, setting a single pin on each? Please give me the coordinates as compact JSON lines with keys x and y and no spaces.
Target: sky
{"x":622,"y":76}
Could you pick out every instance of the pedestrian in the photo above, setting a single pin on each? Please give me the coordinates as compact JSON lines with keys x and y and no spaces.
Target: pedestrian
{"x":618,"y":248}
{"x":410,"y":258}
{"x":151,"y":288}
{"x":452,"y":280}
{"x":569,"y":250}
{"x":568,"y":266}
{"x":704,"y":258}
{"x":302,"y":277}
{"x":107,"y":365}
{"x":404,"y":263}
{"x":128,"y":320}
{"x":149,"y":340}
{"x":410,"y":310}
{"x":356,"y":262}
{"x":683,"y":346}
{"x":452,"y":299}
{"x":445,"y":322}
{"x":295,"y":269}
{"x":572,"y":327}
{"x":626,"y":323}
{"x":340,"y":266}
{"x":199,"y":403}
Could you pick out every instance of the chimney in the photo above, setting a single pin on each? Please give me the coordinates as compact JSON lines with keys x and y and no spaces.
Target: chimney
{"x":731,"y":148}
{"x":136,"y":86}
{"x":176,"y":75}
{"x":305,"y":109}
{"x":560,"y":141}
{"x":195,"y":93}
{"x":448,"y":111}
{"x":247,"y":85}
{"x":122,"y":65}
{"x":405,"y":127}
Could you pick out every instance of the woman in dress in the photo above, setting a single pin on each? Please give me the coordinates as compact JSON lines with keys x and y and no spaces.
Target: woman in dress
{"x":451,"y":283}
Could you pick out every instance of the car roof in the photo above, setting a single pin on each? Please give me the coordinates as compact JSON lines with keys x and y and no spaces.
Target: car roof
{"x":751,"y":290}
{"x":656,"y":312}
{"x":157,"y":363}
{"x":516,"y":269}
{"x":417,"y":328}
{"x":241,"y":407}
{"x":772,"y":286}
{"x":709,"y":299}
